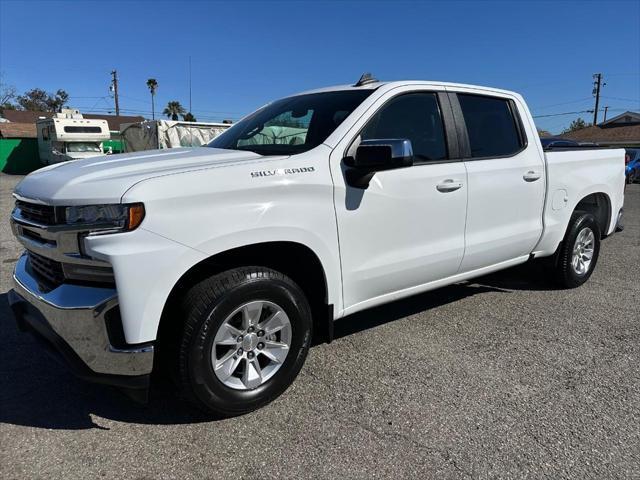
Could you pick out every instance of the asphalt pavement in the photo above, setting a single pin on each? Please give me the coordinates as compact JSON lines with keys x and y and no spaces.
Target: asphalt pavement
{"x":502,"y":377}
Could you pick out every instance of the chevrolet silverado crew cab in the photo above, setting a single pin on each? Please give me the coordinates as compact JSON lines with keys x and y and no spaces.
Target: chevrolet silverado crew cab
{"x":221,"y":263}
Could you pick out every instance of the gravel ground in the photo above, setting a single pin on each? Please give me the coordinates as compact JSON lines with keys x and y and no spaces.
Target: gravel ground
{"x":503,"y":377}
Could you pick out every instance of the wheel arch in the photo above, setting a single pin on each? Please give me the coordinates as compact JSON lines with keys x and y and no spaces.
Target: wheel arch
{"x":599,"y":205}
{"x":296,"y":260}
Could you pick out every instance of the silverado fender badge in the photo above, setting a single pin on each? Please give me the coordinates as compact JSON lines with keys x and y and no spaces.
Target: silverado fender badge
{"x":282,"y":171}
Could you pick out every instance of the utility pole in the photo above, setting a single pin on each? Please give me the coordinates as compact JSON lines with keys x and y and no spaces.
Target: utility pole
{"x":605,"y":113}
{"x":597,"y":82}
{"x":114,"y":88}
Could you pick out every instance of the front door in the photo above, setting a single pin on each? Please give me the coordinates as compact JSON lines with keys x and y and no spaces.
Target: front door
{"x":407,"y":228}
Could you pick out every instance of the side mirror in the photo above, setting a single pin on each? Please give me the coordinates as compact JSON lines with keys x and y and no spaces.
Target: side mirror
{"x":376,"y":155}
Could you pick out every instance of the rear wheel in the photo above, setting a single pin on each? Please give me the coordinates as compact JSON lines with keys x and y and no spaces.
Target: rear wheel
{"x":245,"y":338}
{"x":578,"y":253}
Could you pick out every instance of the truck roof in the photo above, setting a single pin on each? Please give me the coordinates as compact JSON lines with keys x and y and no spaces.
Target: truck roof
{"x":399,"y":83}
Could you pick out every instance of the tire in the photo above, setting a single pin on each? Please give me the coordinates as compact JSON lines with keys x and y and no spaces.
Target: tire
{"x":583,"y":232}
{"x":255,"y":294}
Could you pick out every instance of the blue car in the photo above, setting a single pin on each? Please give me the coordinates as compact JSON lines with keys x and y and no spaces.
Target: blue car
{"x":632,"y":168}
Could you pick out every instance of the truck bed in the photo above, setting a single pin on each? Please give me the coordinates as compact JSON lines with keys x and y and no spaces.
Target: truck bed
{"x":572,"y":174}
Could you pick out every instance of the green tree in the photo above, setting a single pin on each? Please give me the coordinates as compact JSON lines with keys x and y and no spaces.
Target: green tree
{"x":188,"y":117}
{"x":544,"y":133}
{"x":152,"y":85}
{"x":173,"y":110}
{"x":38,"y":100}
{"x":577,"y":124}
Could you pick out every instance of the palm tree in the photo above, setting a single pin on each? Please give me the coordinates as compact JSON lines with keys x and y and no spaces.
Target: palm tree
{"x":173,"y":110}
{"x":152,"y":85}
{"x":188,"y":117}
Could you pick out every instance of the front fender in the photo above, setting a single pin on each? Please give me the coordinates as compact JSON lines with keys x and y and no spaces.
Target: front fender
{"x":207,"y":212}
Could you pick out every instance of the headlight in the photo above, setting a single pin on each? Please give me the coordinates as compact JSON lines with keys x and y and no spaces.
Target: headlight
{"x":116,"y":216}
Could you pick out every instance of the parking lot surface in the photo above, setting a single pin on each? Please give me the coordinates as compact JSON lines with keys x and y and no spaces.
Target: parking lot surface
{"x":501,"y":377}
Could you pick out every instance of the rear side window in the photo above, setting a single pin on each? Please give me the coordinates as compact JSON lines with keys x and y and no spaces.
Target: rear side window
{"x":415,"y":117}
{"x":492,"y":127}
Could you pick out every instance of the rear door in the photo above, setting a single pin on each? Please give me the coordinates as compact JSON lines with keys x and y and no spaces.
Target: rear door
{"x":505,"y":174}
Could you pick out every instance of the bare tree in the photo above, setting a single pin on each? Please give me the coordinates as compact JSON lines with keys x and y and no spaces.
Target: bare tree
{"x":8,"y":94}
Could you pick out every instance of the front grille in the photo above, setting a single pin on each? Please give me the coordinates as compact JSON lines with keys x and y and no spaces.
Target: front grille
{"x":42,"y":214}
{"x":47,"y":270}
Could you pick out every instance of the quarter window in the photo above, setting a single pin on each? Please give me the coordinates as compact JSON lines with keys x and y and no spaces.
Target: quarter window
{"x":491,"y":125}
{"x":415,"y":117}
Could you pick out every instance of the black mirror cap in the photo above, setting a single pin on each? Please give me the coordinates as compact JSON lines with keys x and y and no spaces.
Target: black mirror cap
{"x":383,"y":154}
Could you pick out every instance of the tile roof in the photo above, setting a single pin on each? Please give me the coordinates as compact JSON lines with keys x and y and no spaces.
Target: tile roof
{"x":615,"y":135}
{"x":17,"y":130}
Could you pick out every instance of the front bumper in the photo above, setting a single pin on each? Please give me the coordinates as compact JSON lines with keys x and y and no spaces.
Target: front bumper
{"x":71,"y":319}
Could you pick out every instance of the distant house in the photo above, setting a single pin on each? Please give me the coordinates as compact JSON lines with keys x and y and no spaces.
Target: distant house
{"x":18,"y":138}
{"x":620,"y":131}
{"x":26,"y":116}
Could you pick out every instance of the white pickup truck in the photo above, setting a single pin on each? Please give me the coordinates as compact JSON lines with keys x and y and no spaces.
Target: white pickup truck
{"x":225,"y":261}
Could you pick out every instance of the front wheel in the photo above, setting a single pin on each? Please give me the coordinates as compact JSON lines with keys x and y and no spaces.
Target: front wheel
{"x":245,"y":338}
{"x":578,"y":253}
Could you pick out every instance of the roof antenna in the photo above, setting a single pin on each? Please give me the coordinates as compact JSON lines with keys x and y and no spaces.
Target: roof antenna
{"x":365,"y":79}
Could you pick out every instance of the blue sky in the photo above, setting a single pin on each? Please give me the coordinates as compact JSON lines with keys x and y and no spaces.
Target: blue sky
{"x":247,"y":53}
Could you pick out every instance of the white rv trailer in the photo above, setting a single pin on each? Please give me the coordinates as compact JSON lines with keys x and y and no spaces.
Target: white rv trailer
{"x":69,"y":136}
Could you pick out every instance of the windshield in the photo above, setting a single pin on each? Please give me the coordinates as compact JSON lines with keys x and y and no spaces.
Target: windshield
{"x":291,"y":125}
{"x":84,"y":147}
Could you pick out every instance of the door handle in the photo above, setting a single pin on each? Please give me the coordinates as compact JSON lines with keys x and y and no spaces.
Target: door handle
{"x":449,"y":185}
{"x":531,"y":176}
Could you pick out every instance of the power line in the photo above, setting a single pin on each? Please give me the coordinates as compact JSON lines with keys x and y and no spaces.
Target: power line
{"x":564,"y":113}
{"x":129,"y":111}
{"x":104,"y":96}
{"x":563,"y":103}
{"x":577,"y":112}
{"x":623,"y":99}
{"x":623,"y":74}
{"x":134,"y":99}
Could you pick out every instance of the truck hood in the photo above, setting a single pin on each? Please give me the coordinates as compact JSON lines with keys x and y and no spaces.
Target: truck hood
{"x":106,"y":178}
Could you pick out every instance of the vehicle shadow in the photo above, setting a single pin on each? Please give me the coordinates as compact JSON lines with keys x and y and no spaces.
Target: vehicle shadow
{"x":37,"y":391}
{"x":530,"y":276}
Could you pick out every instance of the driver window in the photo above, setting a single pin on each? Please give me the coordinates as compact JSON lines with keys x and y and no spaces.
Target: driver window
{"x":413,"y":116}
